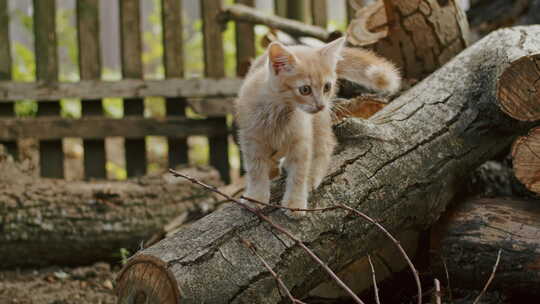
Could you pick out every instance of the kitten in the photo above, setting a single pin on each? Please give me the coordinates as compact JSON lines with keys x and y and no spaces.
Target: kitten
{"x":283,"y":111}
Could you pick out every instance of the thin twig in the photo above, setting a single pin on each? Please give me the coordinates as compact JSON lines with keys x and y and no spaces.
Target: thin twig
{"x":437,"y":291}
{"x":375,"y":288}
{"x":396,"y":242}
{"x":448,"y":287}
{"x":280,"y":282}
{"x":369,"y":219}
{"x":490,"y":277}
{"x":277,"y":227}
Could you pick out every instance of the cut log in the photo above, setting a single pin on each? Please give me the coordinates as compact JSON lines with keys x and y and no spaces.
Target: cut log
{"x":526,"y":160}
{"x":403,"y":167}
{"x":519,"y":89}
{"x":469,"y":237}
{"x":45,"y":221}
{"x":418,"y":36}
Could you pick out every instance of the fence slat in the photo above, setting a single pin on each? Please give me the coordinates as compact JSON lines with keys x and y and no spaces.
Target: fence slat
{"x":126,"y":88}
{"x":245,"y":42}
{"x":131,"y":45}
{"x":54,"y":127}
{"x":6,"y":109}
{"x":90,"y":68}
{"x":174,"y":67}
{"x":214,"y":67}
{"x":350,"y":11}
{"x":245,"y":52}
{"x":51,"y":156}
{"x":319,"y":12}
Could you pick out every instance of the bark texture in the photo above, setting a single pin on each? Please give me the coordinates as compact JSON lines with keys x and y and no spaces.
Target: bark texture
{"x":403,"y":166}
{"x":470,"y":236}
{"x":45,"y":221}
{"x":419,"y":36}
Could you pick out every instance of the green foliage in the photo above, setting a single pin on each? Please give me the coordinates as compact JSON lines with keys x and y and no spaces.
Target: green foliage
{"x":124,"y":255}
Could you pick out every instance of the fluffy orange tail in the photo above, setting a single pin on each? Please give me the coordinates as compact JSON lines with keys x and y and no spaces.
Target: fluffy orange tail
{"x":365,"y":68}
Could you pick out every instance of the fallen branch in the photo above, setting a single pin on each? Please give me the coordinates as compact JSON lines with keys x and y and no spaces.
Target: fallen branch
{"x":89,"y":221}
{"x":244,"y":13}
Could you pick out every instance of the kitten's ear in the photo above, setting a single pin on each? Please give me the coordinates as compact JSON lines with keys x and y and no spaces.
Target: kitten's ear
{"x":332,"y":51}
{"x":280,"y":58}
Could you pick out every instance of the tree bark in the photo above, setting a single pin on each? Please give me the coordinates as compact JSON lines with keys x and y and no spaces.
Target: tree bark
{"x":45,"y":221}
{"x":419,"y":36}
{"x":403,"y":166}
{"x":470,"y":236}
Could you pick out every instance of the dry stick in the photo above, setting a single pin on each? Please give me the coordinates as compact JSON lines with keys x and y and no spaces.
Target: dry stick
{"x":403,"y":253}
{"x":239,"y":12}
{"x":448,"y":287}
{"x":369,"y":219}
{"x":280,"y":283}
{"x":278,"y":228}
{"x":490,"y":277}
{"x":437,"y":291}
{"x":375,"y":288}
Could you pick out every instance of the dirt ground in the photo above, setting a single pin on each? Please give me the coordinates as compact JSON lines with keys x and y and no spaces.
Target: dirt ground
{"x":59,"y":285}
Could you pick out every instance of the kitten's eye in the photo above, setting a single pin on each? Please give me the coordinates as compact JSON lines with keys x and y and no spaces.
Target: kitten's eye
{"x":327,"y":87}
{"x":305,"y":90}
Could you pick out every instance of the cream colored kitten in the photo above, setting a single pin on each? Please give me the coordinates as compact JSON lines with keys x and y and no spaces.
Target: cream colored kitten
{"x":283,"y":111}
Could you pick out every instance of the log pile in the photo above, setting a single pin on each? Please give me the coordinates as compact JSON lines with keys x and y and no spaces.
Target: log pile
{"x":403,"y":167}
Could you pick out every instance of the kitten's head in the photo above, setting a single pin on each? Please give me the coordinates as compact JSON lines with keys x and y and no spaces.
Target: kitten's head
{"x":306,"y":77}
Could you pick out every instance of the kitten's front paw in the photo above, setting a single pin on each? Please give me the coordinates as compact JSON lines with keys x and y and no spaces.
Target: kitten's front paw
{"x":295,"y":214}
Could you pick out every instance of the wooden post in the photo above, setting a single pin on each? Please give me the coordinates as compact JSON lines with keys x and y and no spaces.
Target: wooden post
{"x":280,"y":8}
{"x":245,"y":42}
{"x":319,"y":13}
{"x":131,"y":45}
{"x":214,"y":68}
{"x":174,"y":68}
{"x":295,"y":9}
{"x":245,"y":51}
{"x":51,"y":155}
{"x":6,"y":109}
{"x":90,"y":68}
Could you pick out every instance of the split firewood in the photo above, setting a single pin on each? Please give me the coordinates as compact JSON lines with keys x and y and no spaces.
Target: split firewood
{"x":469,"y":237}
{"x":419,"y":36}
{"x":405,"y":173}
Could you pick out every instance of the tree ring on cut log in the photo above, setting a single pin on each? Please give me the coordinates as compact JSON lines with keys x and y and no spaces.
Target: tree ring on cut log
{"x":519,"y":88}
{"x":526,"y":160}
{"x":146,"y":279}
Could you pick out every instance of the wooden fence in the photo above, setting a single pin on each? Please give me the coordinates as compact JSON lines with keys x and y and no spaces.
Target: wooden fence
{"x":50,"y":128}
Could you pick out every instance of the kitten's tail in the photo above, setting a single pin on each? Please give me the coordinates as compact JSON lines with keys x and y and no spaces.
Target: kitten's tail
{"x":366,"y":68}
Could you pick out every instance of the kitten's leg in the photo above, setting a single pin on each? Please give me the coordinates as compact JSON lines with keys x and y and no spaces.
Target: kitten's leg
{"x":297,"y":164}
{"x":257,"y":164}
{"x":323,"y":147}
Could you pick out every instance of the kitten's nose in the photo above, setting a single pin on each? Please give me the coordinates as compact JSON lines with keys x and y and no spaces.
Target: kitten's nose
{"x":320,"y":107}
